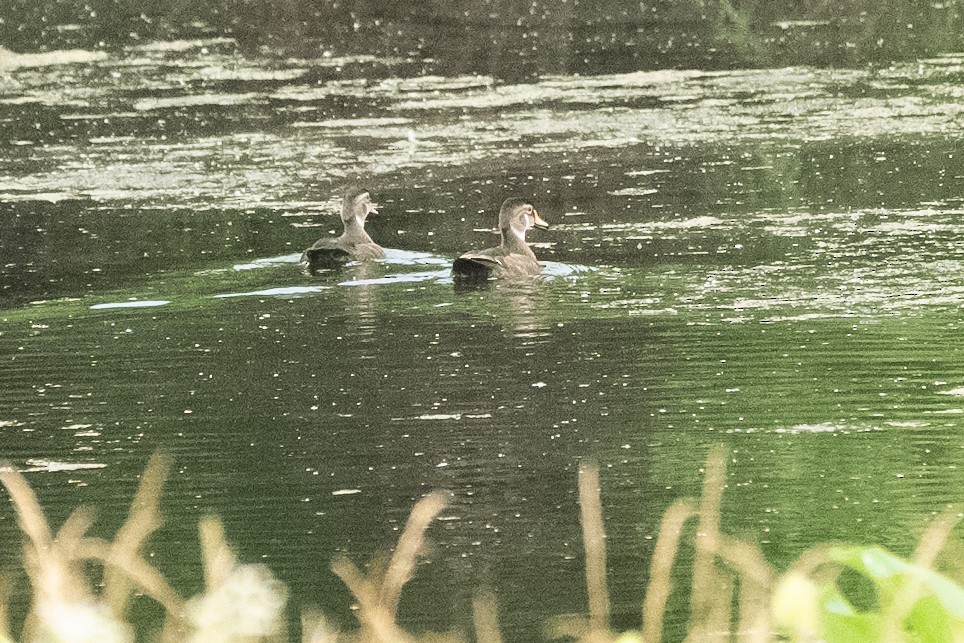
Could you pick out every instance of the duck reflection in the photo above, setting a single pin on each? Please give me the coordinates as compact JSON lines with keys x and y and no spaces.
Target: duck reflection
{"x":522,"y":308}
{"x":361,"y":308}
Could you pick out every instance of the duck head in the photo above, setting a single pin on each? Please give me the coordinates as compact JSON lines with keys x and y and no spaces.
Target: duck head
{"x":356,"y":206}
{"x":516,"y":217}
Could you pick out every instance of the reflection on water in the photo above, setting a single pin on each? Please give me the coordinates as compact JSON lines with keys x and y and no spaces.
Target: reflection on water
{"x":764,"y":258}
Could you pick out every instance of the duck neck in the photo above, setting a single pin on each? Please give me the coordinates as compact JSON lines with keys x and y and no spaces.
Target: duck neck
{"x":355,"y":231}
{"x":515,"y":243}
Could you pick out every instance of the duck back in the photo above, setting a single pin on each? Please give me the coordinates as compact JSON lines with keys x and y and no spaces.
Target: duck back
{"x":325,"y":253}
{"x":494,"y":262}
{"x":330,"y":253}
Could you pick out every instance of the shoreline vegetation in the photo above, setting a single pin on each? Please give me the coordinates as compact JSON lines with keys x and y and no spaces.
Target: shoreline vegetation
{"x":735,"y":594}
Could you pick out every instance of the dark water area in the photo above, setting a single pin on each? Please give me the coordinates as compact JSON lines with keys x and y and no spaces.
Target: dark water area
{"x":748,"y":245}
{"x":511,"y":39}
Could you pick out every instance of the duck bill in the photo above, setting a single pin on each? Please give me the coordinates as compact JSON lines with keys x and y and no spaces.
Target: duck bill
{"x":372,"y":208}
{"x":537,"y":221}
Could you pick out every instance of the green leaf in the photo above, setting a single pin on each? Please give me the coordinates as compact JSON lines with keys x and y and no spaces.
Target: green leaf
{"x":841,"y":623}
{"x":889,"y":571}
{"x":937,"y":616}
{"x":873,"y":562}
{"x":930,"y":621}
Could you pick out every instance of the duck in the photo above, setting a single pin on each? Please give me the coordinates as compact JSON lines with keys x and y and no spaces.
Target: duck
{"x":354,"y":243}
{"x":512,"y":257}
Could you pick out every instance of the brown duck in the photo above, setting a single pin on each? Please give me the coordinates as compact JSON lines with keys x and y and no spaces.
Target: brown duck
{"x":354,"y":243}
{"x":512,"y":257}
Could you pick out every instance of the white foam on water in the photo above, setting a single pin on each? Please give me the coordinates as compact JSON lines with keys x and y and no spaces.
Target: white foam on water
{"x":275,"y":292}
{"x":146,"y":303}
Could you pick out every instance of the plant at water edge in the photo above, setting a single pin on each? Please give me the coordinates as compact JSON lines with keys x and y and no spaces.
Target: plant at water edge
{"x":914,"y":603}
{"x":240,"y":602}
{"x":734,"y":592}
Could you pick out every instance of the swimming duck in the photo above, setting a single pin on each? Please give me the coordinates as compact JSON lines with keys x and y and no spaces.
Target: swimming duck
{"x":354,"y":242}
{"x":512,"y":257}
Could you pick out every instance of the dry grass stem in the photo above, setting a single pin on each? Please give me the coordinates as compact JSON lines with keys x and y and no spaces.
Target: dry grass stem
{"x":736,"y":595}
{"x":756,"y":578}
{"x":32,"y":520}
{"x":315,"y":628}
{"x":710,"y":588}
{"x":812,"y":562}
{"x":72,"y":532}
{"x":754,"y":624}
{"x":746,"y":559}
{"x":54,"y":580}
{"x":930,"y":545}
{"x":55,"y":563}
{"x":661,"y":568}
{"x":934,"y":538}
{"x":567,"y":626}
{"x":485,"y":618}
{"x":136,"y":573}
{"x":125,"y":555}
{"x":377,"y":622}
{"x":219,"y":560}
{"x":378,"y":593}
{"x":717,"y":623}
{"x":594,"y":541}
{"x":409,"y":544}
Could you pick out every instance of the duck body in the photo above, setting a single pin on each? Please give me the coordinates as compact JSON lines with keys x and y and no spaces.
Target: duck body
{"x":512,"y":257}
{"x":354,"y":244}
{"x":340,"y":250}
{"x":496,"y":262}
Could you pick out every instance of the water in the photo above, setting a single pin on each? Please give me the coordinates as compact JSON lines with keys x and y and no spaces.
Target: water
{"x":767,"y":258}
